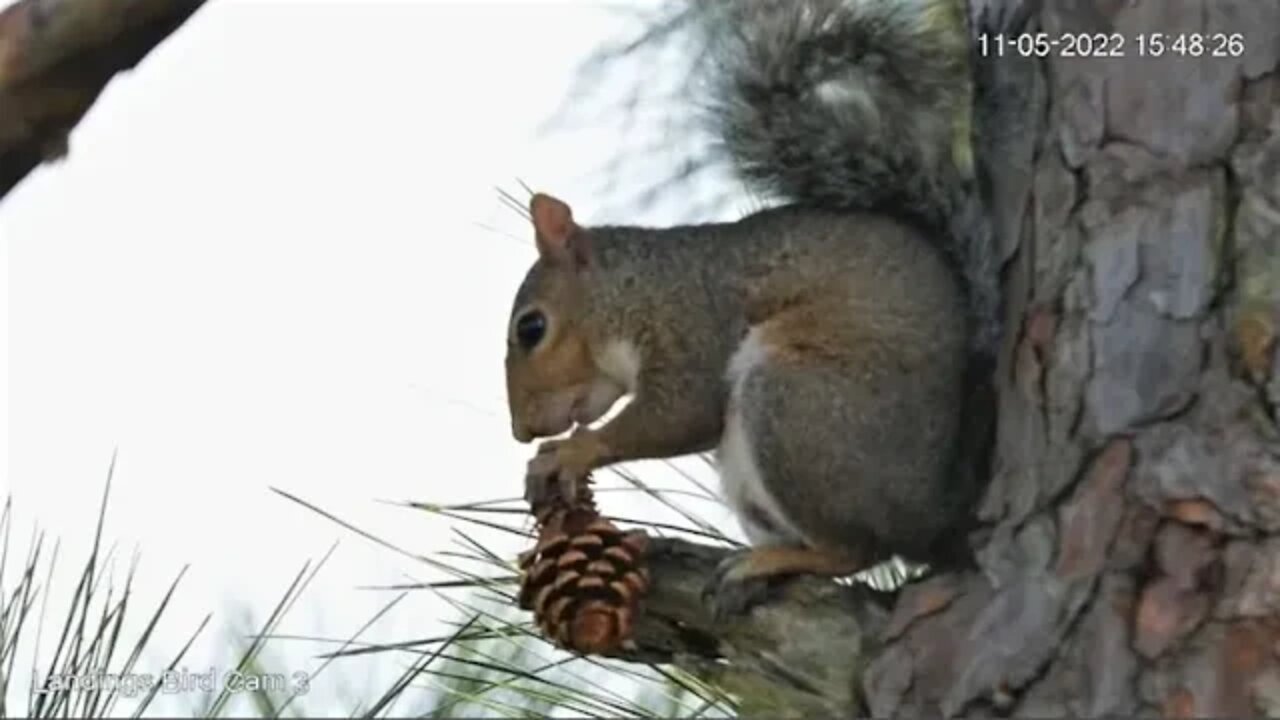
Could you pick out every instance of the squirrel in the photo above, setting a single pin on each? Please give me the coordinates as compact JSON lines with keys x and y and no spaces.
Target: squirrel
{"x":834,"y":350}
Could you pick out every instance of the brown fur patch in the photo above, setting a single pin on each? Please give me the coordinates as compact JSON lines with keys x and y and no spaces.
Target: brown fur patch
{"x":800,"y":334}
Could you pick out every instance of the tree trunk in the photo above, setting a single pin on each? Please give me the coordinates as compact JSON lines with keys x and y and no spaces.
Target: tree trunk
{"x":1131,"y":557}
{"x":1134,"y":562}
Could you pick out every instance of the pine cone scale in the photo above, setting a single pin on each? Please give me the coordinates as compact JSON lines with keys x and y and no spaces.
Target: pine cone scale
{"x":584,"y":579}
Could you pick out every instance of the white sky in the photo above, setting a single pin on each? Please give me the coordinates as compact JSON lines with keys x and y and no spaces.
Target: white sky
{"x":262,"y":265}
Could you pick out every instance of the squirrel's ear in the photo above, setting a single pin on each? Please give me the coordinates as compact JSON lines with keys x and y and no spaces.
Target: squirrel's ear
{"x":554,"y":230}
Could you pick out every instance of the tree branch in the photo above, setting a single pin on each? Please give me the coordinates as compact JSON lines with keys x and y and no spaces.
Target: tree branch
{"x":56,"y":56}
{"x":779,"y":658}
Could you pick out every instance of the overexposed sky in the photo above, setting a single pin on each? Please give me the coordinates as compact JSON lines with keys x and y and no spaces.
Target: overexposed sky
{"x":276,"y":257}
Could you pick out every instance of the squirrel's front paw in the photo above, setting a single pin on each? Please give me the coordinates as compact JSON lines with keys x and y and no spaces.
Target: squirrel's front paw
{"x":732,"y":590}
{"x":561,"y":467}
{"x":546,"y":480}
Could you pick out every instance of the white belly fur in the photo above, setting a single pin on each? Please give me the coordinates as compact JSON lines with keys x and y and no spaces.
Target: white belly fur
{"x":740,"y":480}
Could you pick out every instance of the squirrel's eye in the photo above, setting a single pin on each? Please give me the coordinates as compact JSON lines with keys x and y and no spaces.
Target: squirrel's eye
{"x":530,"y":328}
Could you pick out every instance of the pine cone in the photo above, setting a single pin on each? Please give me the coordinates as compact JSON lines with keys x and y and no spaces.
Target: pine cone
{"x":584,"y":579}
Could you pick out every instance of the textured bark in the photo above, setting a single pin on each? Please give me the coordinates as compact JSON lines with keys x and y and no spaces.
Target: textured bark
{"x":56,"y":56}
{"x":1132,"y":565}
{"x":1131,"y":545}
{"x":780,"y":659}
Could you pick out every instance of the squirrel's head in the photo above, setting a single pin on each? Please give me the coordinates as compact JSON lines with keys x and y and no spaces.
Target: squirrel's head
{"x":553,"y":380}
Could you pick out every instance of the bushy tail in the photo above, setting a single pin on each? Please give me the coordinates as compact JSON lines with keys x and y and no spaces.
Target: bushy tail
{"x":861,"y":105}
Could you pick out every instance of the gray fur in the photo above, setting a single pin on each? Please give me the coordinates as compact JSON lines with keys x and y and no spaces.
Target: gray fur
{"x":859,"y":445}
{"x":881,"y":482}
{"x":862,"y":105}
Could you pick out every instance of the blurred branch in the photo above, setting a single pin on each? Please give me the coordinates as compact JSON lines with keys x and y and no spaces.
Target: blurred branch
{"x":56,"y":56}
{"x":778,"y":658}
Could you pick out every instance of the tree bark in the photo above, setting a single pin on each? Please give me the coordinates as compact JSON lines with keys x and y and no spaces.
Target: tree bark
{"x":56,"y":56}
{"x":1130,"y":557}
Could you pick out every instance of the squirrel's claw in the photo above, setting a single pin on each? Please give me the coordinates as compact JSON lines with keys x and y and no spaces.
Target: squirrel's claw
{"x":731,"y":591}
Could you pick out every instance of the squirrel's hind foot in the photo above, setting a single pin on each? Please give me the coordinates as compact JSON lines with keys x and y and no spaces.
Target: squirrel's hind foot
{"x":747,"y":578}
{"x":731,"y":592}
